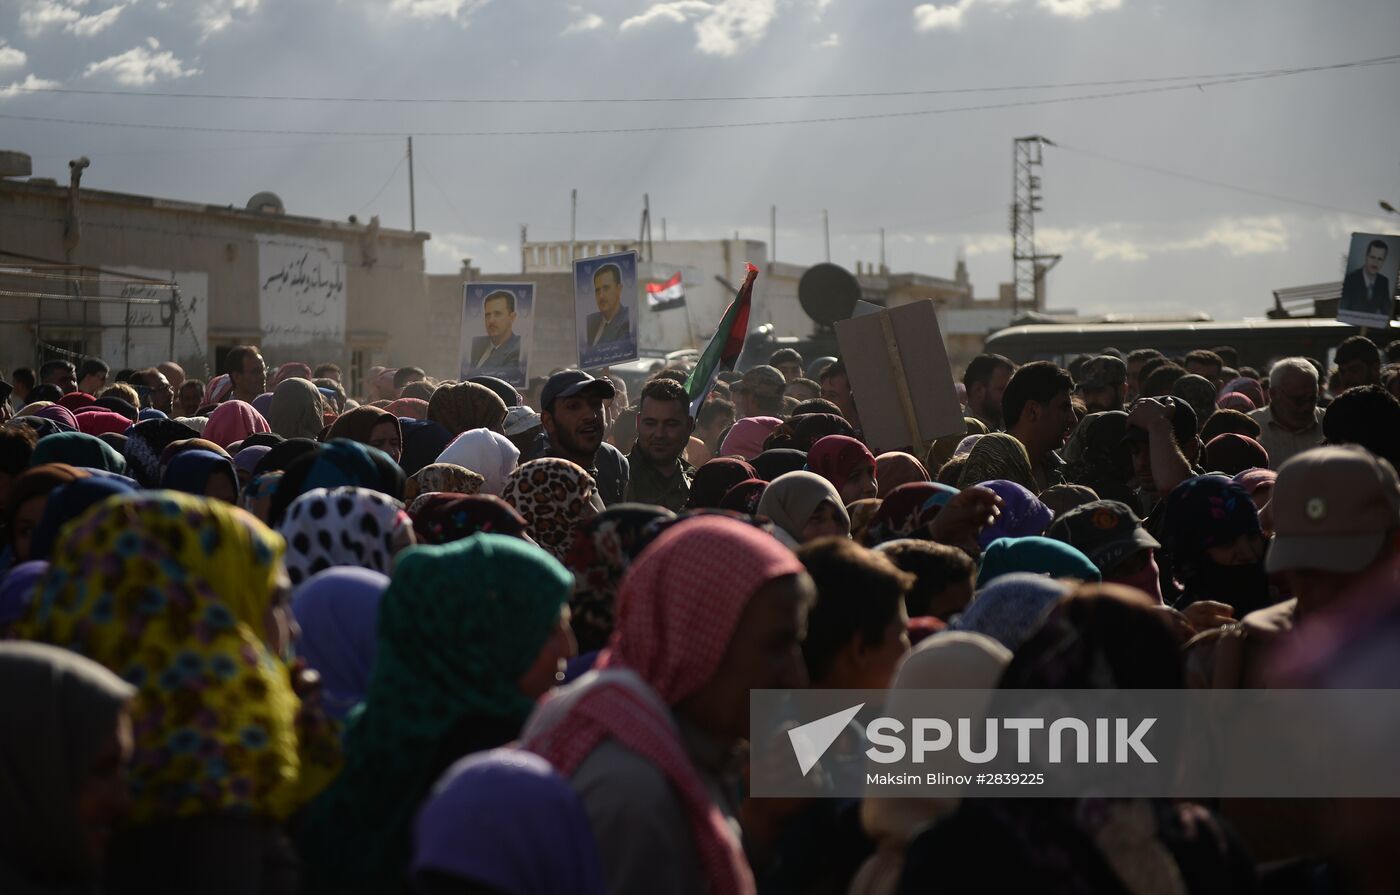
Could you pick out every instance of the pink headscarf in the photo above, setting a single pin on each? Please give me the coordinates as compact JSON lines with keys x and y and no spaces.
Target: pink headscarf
{"x":746,"y":437}
{"x":234,"y":421}
{"x":677,"y":611}
{"x":1235,"y":401}
{"x":1250,"y":388}
{"x":219,"y":387}
{"x":896,"y":468}
{"x":289,"y":370}
{"x":838,"y":457}
{"x":408,"y":408}
{"x":75,"y":400}
{"x":102,"y":422}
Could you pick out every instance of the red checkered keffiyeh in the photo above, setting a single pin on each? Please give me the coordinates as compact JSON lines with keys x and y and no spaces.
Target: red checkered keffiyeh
{"x":676,"y":613}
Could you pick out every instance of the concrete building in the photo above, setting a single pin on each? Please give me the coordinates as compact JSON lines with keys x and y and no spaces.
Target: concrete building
{"x":301,"y":288}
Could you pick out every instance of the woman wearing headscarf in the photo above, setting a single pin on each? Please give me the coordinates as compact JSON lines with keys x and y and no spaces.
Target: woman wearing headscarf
{"x":257,"y":496}
{"x":57,"y":414}
{"x":145,"y":443}
{"x":66,"y":503}
{"x":1235,"y":401}
{"x":483,"y":823}
{"x":1037,"y":555}
{"x":77,"y":449}
{"x":441,"y":517}
{"x":907,"y":511}
{"x":1097,"y":456}
{"x":17,"y":591}
{"x":203,"y":474}
{"x":714,"y":479}
{"x":809,"y":428}
{"x":344,"y":526}
{"x":603,"y":549}
{"x":776,"y":461}
{"x":285,"y":454}
{"x":219,"y":387}
{"x":847,"y":464}
{"x":554,"y":496}
{"x":372,"y":426}
{"x":948,"y":660}
{"x":862,"y":513}
{"x":247,"y":460}
{"x":1214,"y":546}
{"x":180,"y":596}
{"x":1250,"y":388}
{"x":27,"y":499}
{"x":437,"y":477}
{"x":941,"y":451}
{"x":646,"y":740}
{"x":290,"y":370}
{"x":408,"y":408}
{"x":263,"y":404}
{"x":75,"y":400}
{"x":98,"y":422}
{"x":470,"y":634}
{"x":1010,"y":608}
{"x":1232,"y":454}
{"x":998,"y":456}
{"x":1101,"y":637}
{"x":298,"y":410}
{"x":233,"y":421}
{"x":744,"y":497}
{"x":746,"y":437}
{"x":1022,"y":513}
{"x":488,"y":454}
{"x":896,"y":468}
{"x":466,"y":406}
{"x":62,"y":762}
{"x":423,"y":441}
{"x":338,"y":463}
{"x":337,"y":610}
{"x":805,"y":507}
{"x":41,"y":428}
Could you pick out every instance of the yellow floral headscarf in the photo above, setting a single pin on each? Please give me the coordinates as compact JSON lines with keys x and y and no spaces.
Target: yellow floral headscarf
{"x":171,"y":592}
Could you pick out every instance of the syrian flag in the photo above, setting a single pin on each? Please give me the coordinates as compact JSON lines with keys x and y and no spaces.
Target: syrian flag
{"x":725,"y":346}
{"x":667,"y":295}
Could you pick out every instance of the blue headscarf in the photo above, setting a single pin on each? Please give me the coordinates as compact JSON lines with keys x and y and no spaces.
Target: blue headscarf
{"x":423,"y":441}
{"x":190,"y":471}
{"x":1011,"y":608}
{"x":1022,"y":513}
{"x":78,"y":449}
{"x":338,"y":612}
{"x":1040,"y":556}
{"x":68,"y":502}
{"x":17,"y":589}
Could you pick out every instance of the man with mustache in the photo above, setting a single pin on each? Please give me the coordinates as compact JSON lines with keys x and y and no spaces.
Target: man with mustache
{"x":658,"y":475}
{"x":571,"y":411}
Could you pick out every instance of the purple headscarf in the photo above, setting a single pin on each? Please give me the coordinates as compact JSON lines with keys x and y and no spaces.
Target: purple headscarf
{"x":487,"y":818}
{"x":1022,"y":513}
{"x":263,"y":403}
{"x":60,"y":415}
{"x":338,"y":611}
{"x":17,"y":589}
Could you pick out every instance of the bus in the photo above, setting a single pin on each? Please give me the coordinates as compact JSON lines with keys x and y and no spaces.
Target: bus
{"x":1257,"y":341}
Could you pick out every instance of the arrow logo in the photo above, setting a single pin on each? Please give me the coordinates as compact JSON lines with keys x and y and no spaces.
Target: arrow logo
{"x":811,"y":740}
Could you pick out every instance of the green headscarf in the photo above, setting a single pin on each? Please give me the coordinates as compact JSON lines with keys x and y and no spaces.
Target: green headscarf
{"x":998,"y":456}
{"x":459,"y":625}
{"x":78,"y":449}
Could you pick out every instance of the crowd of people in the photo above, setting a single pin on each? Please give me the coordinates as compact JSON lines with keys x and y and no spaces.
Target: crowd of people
{"x":258,"y":635}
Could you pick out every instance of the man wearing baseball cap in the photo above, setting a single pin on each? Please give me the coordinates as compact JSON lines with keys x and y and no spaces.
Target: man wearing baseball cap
{"x":1112,"y":536}
{"x":1103,"y":383}
{"x":571,"y":411}
{"x":759,"y":393}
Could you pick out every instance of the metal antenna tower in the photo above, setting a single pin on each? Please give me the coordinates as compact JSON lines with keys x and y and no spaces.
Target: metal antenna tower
{"x":1028,"y":268}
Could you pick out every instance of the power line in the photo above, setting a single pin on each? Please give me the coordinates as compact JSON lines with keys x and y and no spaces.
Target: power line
{"x":692,"y":127}
{"x":1167,"y":172}
{"x":941,"y":91}
{"x":385,"y":186}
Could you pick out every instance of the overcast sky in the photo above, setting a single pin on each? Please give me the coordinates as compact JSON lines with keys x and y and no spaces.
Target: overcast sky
{"x":1133,"y":240}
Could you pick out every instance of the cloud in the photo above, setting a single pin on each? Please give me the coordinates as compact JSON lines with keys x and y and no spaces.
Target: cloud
{"x":141,"y":65}
{"x":587,"y":22}
{"x":930,"y":17}
{"x":1240,"y":236}
{"x":460,"y":11}
{"x":832,"y":41}
{"x":722,"y":28}
{"x":87,"y":26}
{"x":1078,"y":9}
{"x":29,"y":83}
{"x":216,"y":15}
{"x":11,"y":57}
{"x":39,"y":15}
{"x":1126,"y":243}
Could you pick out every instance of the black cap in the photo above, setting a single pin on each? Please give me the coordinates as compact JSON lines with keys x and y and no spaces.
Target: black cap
{"x":1183,"y":422}
{"x":1106,"y":531}
{"x":567,"y":383}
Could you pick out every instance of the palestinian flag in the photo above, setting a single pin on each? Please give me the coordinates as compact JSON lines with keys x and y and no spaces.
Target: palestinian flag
{"x":725,"y":346}
{"x":667,"y":295}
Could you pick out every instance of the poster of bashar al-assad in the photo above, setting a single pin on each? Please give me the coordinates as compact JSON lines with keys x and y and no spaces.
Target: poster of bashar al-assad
{"x":498,"y":323}
{"x":1368,"y":289}
{"x":605,"y":309}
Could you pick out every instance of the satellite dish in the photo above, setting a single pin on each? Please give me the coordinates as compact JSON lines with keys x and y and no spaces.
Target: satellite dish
{"x":828,"y":293}
{"x":267,"y":203}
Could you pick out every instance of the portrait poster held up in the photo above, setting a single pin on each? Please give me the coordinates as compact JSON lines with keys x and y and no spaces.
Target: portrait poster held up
{"x":498,"y":328}
{"x":605,"y":308}
{"x":1368,"y":289}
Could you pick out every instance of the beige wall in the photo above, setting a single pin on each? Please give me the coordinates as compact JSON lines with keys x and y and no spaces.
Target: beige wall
{"x":387,"y":309}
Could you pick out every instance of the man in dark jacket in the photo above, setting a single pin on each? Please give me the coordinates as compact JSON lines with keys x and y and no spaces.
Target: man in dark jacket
{"x":571,"y":410}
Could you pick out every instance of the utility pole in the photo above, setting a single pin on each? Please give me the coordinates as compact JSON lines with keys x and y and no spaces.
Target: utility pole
{"x":663,"y":229}
{"x":644,"y":244}
{"x":826,"y":235}
{"x":573,"y":225}
{"x":1028,"y":271}
{"x":524,"y":238}
{"x":412,"y":209}
{"x":772,"y":233}
{"x":883,"y":268}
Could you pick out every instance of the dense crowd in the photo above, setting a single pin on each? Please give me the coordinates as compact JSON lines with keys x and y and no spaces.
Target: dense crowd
{"x":260,"y":636}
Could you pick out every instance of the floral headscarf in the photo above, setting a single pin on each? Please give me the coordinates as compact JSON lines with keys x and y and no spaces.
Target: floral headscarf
{"x":907,"y":511}
{"x":554,"y":495}
{"x":458,"y":626}
{"x":1097,"y":457}
{"x":441,"y":517}
{"x":171,"y":592}
{"x":998,"y":456}
{"x":744,"y":497}
{"x":146,"y":441}
{"x":345,"y":526}
{"x":437,"y":477}
{"x":602,"y":550}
